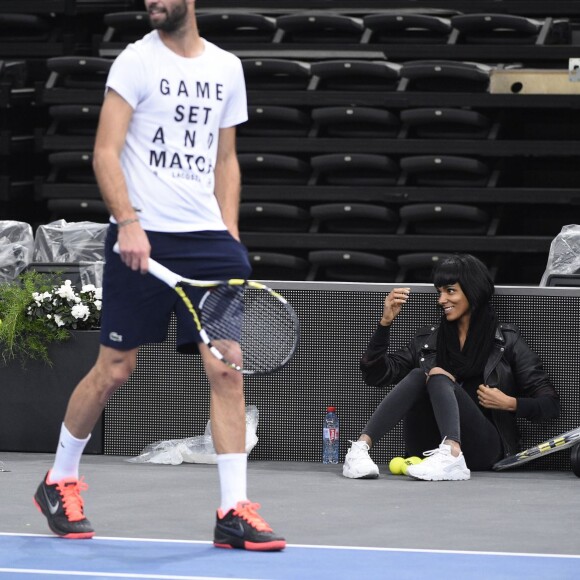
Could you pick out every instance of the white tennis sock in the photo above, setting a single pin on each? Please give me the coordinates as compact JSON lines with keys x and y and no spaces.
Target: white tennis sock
{"x":232,"y":468}
{"x":68,"y":455}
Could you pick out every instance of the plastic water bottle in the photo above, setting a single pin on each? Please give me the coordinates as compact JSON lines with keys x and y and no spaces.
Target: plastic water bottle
{"x":330,"y":436}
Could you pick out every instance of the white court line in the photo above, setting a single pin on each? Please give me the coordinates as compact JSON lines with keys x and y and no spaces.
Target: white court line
{"x":112,"y":574}
{"x":429,"y":551}
{"x":114,"y":538}
{"x":325,"y":547}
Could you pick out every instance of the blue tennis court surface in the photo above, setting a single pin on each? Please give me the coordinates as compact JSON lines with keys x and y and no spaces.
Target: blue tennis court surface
{"x":34,"y":556}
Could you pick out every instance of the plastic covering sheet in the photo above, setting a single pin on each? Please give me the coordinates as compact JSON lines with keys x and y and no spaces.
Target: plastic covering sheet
{"x":564,"y":256}
{"x":16,"y":248}
{"x":60,"y":241}
{"x":197,"y":449}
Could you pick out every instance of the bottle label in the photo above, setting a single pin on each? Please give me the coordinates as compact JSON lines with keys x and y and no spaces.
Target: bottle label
{"x":331,"y":433}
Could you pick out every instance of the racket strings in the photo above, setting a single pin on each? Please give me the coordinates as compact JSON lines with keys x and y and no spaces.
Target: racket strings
{"x":269,"y":331}
{"x":264,"y":325}
{"x":222,"y":313}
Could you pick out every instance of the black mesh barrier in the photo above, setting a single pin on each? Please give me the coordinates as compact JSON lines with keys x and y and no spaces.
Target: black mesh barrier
{"x":168,"y":395}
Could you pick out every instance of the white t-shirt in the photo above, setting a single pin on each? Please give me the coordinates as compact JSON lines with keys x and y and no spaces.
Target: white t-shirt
{"x":179,"y":106}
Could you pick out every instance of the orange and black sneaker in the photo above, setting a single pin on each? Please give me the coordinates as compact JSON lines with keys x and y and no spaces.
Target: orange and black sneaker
{"x":62,"y":505}
{"x":243,"y":528}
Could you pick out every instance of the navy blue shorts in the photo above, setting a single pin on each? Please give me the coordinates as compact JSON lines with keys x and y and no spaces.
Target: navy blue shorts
{"x":137,"y":307}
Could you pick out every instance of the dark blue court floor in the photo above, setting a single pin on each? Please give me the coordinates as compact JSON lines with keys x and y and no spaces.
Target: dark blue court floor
{"x":35,"y":556}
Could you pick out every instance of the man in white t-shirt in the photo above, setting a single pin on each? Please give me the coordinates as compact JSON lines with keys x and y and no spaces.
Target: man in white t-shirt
{"x":166,"y":164}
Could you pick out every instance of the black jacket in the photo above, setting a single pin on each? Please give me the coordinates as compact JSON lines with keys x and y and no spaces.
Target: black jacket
{"x":512,"y":367}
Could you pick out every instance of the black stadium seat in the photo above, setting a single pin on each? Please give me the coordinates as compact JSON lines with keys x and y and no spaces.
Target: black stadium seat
{"x":491,"y":28}
{"x":353,"y":74}
{"x":347,"y":266}
{"x":361,"y":218}
{"x":319,"y":27}
{"x":73,"y":127}
{"x":76,"y":79}
{"x":124,"y":27}
{"x":276,"y":74}
{"x":236,"y":27}
{"x":354,"y":169}
{"x":445,"y":170}
{"x":354,"y":122}
{"x":446,"y":75}
{"x":70,"y":176}
{"x":444,"y":219}
{"x":272,"y":169}
{"x":77,"y":210}
{"x":277,"y":266}
{"x":407,"y":27}
{"x":275,"y":121}
{"x":446,"y":123}
{"x":273,"y":217}
{"x":418,"y":267}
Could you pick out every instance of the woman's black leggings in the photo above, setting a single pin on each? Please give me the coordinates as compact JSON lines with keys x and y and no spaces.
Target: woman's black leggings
{"x":432,"y":410}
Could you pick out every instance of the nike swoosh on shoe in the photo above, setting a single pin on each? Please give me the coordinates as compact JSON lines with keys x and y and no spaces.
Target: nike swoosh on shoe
{"x":236,"y":528}
{"x":52,"y":508}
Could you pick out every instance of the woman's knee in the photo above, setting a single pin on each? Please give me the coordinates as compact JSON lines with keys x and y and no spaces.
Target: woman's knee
{"x":439,"y":381}
{"x":438,"y":371}
{"x":417,"y":374}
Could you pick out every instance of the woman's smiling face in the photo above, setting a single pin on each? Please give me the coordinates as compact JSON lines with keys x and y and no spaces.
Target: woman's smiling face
{"x":453,"y":301}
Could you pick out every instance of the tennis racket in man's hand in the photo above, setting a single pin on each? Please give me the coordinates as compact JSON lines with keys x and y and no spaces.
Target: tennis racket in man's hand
{"x":562,"y":441}
{"x":236,"y":312}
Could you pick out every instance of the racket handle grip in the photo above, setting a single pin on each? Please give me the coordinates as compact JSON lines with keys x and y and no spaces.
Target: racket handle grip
{"x":159,"y":271}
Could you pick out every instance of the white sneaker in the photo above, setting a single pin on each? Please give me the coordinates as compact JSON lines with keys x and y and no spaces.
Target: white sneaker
{"x":440,"y":465}
{"x":358,"y":463}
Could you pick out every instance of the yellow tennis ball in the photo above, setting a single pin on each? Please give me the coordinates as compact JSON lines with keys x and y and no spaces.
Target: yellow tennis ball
{"x":410,"y":461}
{"x":396,"y":465}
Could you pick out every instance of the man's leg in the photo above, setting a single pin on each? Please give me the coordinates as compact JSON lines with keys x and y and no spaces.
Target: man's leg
{"x":238,"y":525}
{"x":58,"y":496}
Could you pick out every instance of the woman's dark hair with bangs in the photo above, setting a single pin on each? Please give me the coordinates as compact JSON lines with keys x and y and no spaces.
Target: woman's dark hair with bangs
{"x":471,"y":274}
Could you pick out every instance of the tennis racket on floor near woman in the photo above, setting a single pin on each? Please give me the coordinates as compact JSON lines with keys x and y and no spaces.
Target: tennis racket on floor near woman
{"x":239,"y":313}
{"x":562,"y":441}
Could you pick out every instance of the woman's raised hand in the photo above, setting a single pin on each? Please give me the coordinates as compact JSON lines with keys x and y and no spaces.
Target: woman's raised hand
{"x":393,"y":304}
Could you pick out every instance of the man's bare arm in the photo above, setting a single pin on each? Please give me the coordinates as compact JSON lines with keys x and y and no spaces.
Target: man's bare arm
{"x":114,"y":122}
{"x":228,"y":180}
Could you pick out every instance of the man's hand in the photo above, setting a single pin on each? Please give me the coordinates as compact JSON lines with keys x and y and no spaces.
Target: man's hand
{"x":492,"y":398}
{"x":134,"y":247}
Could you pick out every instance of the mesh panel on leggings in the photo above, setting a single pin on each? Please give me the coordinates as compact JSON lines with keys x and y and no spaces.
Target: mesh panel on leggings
{"x":168,"y":398}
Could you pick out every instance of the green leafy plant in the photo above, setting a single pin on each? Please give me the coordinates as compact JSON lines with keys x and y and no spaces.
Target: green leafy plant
{"x":35,"y":313}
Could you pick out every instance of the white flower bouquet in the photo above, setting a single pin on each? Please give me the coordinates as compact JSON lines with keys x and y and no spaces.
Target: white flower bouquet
{"x":35,"y":313}
{"x":64,"y":306}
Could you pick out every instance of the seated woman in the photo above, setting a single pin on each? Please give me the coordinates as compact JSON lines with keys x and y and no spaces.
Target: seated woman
{"x":459,"y":385}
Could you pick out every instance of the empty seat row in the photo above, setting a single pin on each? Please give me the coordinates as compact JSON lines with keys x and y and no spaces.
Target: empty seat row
{"x":361,"y":74}
{"x":81,"y":79}
{"x":73,"y":126}
{"x":363,"y":218}
{"x":323,"y":27}
{"x":353,"y":218}
{"x":366,"y":169}
{"x":72,"y":171}
{"x":75,"y":167}
{"x":351,"y":266}
{"x":404,"y":268}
